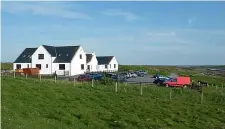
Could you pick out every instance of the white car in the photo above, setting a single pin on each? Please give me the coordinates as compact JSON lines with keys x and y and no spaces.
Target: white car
{"x":133,"y":75}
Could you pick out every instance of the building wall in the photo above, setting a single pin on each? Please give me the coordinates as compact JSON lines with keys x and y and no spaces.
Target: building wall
{"x":23,"y":65}
{"x":47,"y":60}
{"x":76,"y":62}
{"x":112,"y":62}
{"x":101,"y":68}
{"x":93,"y":63}
{"x":55,"y":68}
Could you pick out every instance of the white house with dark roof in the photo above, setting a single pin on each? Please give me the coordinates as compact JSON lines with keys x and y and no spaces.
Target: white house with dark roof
{"x":64,"y":60}
{"x":92,"y":62}
{"x":107,"y":63}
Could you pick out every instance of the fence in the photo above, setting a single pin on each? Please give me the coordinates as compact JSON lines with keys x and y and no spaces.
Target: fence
{"x":142,"y":88}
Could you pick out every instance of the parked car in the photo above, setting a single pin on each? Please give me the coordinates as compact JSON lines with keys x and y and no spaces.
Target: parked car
{"x":85,"y":77}
{"x":139,"y":74}
{"x":133,"y":75}
{"x":143,"y":72}
{"x":178,"y":82}
{"x":118,"y":77}
{"x":126,"y":75}
{"x":109,"y":74}
{"x":96,"y":76}
{"x":159,"y":81}
{"x":156,"y":76}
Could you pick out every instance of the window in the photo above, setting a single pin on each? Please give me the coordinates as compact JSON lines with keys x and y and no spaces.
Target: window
{"x":82,"y":66}
{"x":110,"y":66}
{"x":27,"y":65}
{"x":38,"y":66}
{"x":18,"y":66}
{"x":80,"y":56}
{"x":40,"y":56}
{"x":61,"y":66}
{"x":88,"y":67}
{"x":106,"y":66}
{"x":114,"y":65}
{"x":46,"y":65}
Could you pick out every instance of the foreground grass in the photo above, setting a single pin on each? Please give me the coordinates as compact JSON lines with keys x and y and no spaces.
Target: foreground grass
{"x":31,"y":104}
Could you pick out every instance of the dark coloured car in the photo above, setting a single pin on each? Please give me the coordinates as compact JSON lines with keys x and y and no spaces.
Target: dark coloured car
{"x":109,"y":75}
{"x":96,"y":76}
{"x":85,"y":77}
{"x":159,"y":81}
{"x":120,"y":78}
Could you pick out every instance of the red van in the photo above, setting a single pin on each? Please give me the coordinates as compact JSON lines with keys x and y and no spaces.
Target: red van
{"x":178,"y":82}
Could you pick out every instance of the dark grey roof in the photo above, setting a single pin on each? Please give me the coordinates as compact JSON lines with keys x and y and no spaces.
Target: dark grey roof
{"x":65,"y":53}
{"x":50,"y":49}
{"x":104,"y":59}
{"x":25,"y":56}
{"x":88,"y":57}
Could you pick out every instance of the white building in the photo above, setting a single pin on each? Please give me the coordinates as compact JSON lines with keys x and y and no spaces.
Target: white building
{"x":63,"y":60}
{"x":107,"y":63}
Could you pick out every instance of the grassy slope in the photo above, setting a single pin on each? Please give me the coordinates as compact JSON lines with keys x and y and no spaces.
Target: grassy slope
{"x":6,"y":66}
{"x":32,"y":104}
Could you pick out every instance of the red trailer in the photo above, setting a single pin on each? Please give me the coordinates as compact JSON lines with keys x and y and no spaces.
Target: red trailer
{"x":178,"y":82}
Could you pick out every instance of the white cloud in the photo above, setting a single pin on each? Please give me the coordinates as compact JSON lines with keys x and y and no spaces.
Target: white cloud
{"x":115,"y":12}
{"x":57,"y":9}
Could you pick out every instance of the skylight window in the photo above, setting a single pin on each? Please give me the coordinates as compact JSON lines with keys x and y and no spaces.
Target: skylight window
{"x":67,"y":54}
{"x":24,"y":55}
{"x":60,"y":54}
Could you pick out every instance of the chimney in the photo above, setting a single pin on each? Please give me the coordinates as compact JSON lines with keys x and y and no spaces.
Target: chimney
{"x":93,"y":53}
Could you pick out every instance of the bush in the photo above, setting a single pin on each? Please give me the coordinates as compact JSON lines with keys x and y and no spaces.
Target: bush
{"x":106,"y":81}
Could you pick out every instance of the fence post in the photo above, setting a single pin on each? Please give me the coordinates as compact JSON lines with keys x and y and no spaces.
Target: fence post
{"x":170,"y":93}
{"x":40,"y":77}
{"x":141,"y":88}
{"x":74,"y":81}
{"x":55,"y":79}
{"x":216,"y":86}
{"x":202,"y":96}
{"x":14,"y":74}
{"x":116,"y":87}
{"x":125,"y":88}
{"x":92,"y":82}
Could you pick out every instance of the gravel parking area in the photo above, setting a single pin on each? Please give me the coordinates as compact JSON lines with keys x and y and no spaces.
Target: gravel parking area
{"x":145,"y":79}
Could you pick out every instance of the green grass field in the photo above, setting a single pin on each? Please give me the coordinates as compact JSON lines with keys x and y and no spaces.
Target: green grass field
{"x":6,"y":66}
{"x":31,"y":104}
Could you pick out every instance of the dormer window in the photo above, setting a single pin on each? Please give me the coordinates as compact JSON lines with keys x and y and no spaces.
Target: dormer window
{"x":40,"y":56}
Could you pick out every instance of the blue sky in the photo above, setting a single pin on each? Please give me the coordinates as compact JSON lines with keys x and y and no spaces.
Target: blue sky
{"x":154,"y":33}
